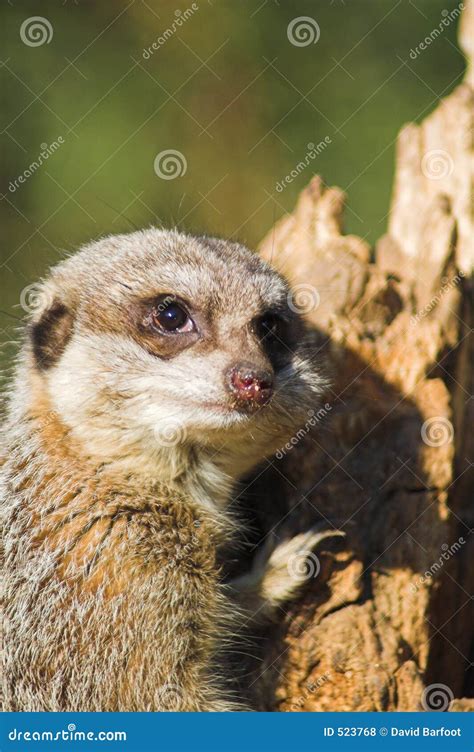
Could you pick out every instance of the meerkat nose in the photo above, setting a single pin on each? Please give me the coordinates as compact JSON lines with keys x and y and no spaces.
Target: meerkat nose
{"x":251,"y":387}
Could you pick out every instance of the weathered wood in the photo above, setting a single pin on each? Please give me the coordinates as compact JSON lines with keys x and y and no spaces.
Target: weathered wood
{"x":387,"y":616}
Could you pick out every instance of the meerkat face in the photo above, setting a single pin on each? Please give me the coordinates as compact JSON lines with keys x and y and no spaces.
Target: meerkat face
{"x":156,"y":340}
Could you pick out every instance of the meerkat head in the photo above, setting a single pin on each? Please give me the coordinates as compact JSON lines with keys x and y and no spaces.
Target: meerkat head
{"x":155,"y":345}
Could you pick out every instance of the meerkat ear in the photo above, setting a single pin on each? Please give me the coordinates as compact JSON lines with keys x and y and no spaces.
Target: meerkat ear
{"x":50,"y":326}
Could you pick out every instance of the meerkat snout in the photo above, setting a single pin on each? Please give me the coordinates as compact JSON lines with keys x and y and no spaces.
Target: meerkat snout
{"x":252,"y":387}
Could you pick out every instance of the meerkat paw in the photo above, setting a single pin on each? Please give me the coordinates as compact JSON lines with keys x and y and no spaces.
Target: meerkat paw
{"x":280,"y":571}
{"x":291,"y":564}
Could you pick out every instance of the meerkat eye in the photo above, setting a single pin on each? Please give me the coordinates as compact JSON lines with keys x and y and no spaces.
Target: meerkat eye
{"x":171,"y":316}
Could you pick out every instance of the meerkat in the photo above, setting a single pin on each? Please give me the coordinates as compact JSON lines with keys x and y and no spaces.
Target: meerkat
{"x":156,"y":370}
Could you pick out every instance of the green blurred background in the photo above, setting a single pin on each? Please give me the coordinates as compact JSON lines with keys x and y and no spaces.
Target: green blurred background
{"x":229,"y":91}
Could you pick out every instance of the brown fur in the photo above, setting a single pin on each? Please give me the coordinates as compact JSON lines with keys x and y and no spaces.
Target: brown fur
{"x":113,"y":598}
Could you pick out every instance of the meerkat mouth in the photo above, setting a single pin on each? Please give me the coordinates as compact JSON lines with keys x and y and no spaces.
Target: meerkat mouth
{"x":235,"y":409}
{"x":230,"y":411}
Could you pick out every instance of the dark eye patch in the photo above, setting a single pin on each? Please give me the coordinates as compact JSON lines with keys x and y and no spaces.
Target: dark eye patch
{"x":270,"y":326}
{"x":278,"y":333}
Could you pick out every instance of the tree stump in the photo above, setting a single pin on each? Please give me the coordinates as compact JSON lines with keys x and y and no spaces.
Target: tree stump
{"x":386,"y":620}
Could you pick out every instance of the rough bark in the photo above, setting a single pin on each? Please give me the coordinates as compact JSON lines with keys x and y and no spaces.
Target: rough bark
{"x":387,"y":615}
